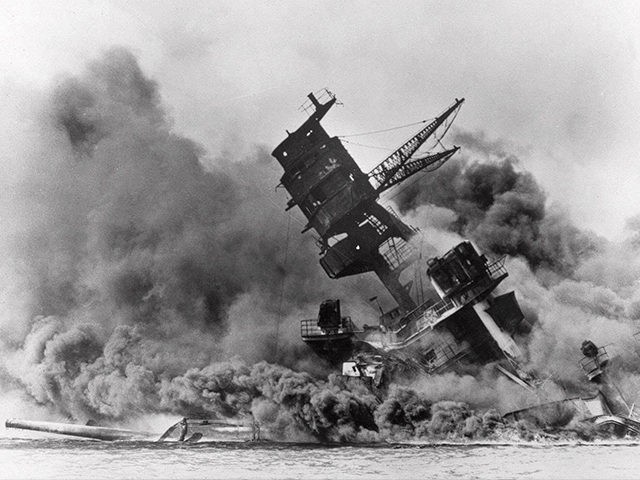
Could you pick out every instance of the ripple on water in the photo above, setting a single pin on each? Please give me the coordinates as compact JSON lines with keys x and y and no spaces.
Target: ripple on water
{"x":64,"y":458}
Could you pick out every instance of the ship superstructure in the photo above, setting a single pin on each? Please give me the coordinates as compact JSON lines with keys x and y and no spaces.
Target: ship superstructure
{"x":468,"y":323}
{"x":356,"y":233}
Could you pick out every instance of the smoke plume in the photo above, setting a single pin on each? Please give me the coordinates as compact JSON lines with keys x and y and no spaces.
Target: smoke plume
{"x":141,"y":275}
{"x":500,"y":207}
{"x":133,"y":257}
{"x":570,"y":284}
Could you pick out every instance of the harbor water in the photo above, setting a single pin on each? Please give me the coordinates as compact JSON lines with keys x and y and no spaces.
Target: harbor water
{"x":55,"y":458}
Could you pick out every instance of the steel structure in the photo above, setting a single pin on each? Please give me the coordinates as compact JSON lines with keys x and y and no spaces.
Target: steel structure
{"x":340,"y":201}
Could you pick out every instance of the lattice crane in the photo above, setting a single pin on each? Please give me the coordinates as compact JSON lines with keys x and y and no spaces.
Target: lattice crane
{"x":356,"y":233}
{"x":397,"y":167}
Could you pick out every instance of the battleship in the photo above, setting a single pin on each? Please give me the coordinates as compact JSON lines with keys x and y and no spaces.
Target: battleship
{"x":464,"y":321}
{"x":468,"y":322}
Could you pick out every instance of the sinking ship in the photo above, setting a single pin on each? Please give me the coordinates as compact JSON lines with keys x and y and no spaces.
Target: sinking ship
{"x":464,"y":321}
{"x":605,"y":406}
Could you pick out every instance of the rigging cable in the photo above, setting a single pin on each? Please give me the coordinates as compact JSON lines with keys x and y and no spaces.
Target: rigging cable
{"x":384,"y":130}
{"x":447,"y":126}
{"x":284,"y":264}
{"x":417,"y":177}
{"x":420,"y":289}
{"x":367,"y":146}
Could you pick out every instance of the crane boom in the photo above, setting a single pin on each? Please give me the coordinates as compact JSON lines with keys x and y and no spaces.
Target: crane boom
{"x":386,"y":170}
{"x":410,"y":168}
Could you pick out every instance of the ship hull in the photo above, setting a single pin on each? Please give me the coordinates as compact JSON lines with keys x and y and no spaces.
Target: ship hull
{"x":468,"y":335}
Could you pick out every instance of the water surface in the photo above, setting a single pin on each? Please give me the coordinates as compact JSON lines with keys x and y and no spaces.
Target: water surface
{"x":63,"y":458}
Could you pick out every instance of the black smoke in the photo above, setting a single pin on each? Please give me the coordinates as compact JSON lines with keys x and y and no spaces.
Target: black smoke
{"x":146,"y":276}
{"x":139,"y":257}
{"x":501,"y":207}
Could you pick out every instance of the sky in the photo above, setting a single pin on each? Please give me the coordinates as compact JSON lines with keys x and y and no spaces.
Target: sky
{"x":555,"y":83}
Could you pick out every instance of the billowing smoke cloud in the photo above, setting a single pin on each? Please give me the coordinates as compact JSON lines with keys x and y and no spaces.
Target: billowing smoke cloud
{"x":142,"y":276}
{"x":129,"y":263}
{"x":500,"y":207}
{"x":571,"y":285}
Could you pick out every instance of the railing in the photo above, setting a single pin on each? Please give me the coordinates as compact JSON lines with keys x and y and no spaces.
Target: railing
{"x":428,"y":311}
{"x":496,"y":269}
{"x":397,"y":252}
{"x":392,"y":211}
{"x":592,"y":366}
{"x":495,"y":272}
{"x":427,"y":316}
{"x":396,"y":218}
{"x":322,"y":96}
{"x":423,"y":318}
{"x":310,"y":328}
{"x":442,"y":355}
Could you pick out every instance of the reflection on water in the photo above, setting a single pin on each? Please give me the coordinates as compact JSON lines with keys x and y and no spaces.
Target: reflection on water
{"x":56,"y":458}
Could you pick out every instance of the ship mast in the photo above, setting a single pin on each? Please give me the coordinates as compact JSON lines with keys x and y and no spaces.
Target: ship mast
{"x":340,"y":202}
